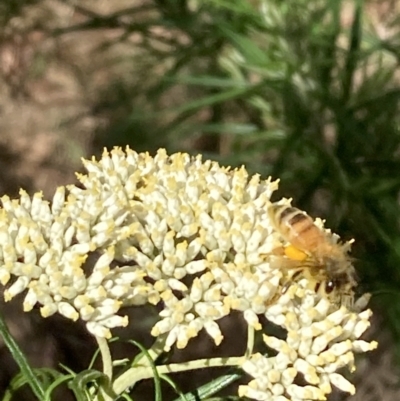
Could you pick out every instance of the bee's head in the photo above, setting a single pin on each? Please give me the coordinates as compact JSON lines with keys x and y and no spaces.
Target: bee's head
{"x":340,"y":273}
{"x":339,"y":289}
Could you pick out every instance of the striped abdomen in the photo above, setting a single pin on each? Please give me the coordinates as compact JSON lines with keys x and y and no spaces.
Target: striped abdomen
{"x":296,"y":227}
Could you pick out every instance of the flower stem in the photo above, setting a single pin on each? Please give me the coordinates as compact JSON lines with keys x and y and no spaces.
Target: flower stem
{"x":107,"y":367}
{"x":135,"y":374}
{"x":250,"y":340}
{"x":105,"y":356}
{"x":154,"y":352}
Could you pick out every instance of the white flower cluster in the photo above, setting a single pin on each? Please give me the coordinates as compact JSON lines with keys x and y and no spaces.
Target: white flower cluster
{"x":175,"y":229}
{"x":320,"y":340}
{"x":137,"y":229}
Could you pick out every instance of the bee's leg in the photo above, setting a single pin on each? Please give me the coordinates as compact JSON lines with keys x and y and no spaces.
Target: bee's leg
{"x":294,"y":253}
{"x":289,"y":279}
{"x":286,"y":258}
{"x":278,"y":251}
{"x":290,"y":252}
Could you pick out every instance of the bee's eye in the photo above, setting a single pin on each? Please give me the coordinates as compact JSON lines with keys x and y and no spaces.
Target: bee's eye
{"x":329,"y":287}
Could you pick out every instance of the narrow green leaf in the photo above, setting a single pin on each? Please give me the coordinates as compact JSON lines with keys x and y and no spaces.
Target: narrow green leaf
{"x":21,"y":360}
{"x":212,"y":387}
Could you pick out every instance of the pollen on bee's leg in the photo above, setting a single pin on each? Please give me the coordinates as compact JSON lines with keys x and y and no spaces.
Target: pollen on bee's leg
{"x":278,"y":251}
{"x":294,"y":253}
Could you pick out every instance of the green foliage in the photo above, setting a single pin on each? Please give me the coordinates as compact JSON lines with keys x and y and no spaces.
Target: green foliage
{"x":91,"y":384}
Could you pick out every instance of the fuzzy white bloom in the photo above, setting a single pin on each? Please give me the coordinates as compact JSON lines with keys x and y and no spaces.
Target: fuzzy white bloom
{"x":185,"y":232}
{"x":138,"y":228}
{"x":319,"y":340}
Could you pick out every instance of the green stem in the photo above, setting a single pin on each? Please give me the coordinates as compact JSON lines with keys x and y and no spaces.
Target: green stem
{"x":133,"y":375}
{"x":105,"y":356}
{"x":21,"y":360}
{"x":153,"y":353}
{"x":107,"y":366}
{"x":250,"y":341}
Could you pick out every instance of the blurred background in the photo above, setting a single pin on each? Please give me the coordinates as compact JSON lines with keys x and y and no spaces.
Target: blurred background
{"x":307,"y":91}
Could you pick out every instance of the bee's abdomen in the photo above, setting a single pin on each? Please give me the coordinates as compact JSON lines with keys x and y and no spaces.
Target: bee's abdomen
{"x":295,"y":218}
{"x":296,"y":226}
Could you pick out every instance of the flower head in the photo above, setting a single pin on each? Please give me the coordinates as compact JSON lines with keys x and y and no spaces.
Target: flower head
{"x":191,"y":234}
{"x":143,"y":229}
{"x":320,"y":340}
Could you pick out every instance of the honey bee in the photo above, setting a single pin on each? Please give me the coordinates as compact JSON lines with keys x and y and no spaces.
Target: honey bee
{"x":314,"y":254}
